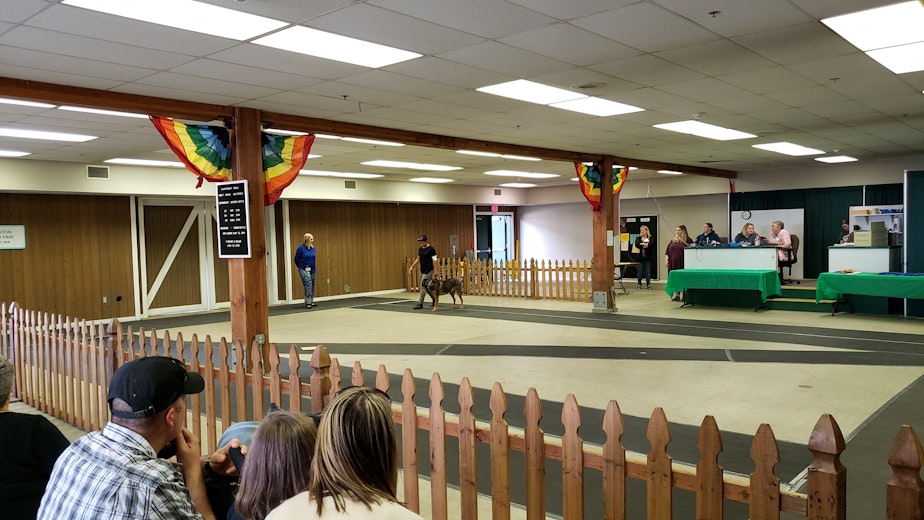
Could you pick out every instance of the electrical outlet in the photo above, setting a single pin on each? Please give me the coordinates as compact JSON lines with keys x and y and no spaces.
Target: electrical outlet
{"x":260,"y":339}
{"x":105,"y":300}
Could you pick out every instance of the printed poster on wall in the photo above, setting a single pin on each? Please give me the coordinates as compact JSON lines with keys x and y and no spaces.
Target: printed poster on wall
{"x":12,"y":237}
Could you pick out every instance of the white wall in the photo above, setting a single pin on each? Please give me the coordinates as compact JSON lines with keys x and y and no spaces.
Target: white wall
{"x":556,"y":232}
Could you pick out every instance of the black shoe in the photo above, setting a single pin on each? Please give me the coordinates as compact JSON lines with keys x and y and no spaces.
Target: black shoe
{"x":418,"y":306}
{"x":640,"y":285}
{"x":314,"y":305}
{"x":675,"y":299}
{"x":649,"y":286}
{"x":307,"y":305}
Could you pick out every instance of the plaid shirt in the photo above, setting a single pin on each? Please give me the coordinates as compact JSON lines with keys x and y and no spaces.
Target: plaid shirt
{"x":115,"y":474}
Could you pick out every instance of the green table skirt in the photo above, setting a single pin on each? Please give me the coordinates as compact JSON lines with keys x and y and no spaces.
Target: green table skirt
{"x":832,"y":285}
{"x":767,"y":282}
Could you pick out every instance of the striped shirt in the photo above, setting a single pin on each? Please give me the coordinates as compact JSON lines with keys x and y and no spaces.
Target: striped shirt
{"x":115,"y":474}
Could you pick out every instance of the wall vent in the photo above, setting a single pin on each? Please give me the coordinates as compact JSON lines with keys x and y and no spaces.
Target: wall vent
{"x":497,"y":192}
{"x":97,"y":172}
{"x":349,"y":185}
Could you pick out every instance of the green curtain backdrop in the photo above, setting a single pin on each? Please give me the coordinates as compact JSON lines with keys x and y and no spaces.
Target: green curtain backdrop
{"x":890,"y":194}
{"x":914,"y":225}
{"x":824,"y":208}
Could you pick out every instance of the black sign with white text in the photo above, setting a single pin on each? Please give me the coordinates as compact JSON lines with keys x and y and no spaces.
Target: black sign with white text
{"x":232,"y":200}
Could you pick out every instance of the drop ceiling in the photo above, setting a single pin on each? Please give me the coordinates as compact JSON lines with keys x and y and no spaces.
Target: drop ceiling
{"x":766,"y":67}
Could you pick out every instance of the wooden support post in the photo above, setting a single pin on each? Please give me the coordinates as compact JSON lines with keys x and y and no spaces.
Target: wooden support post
{"x":602,"y":267}
{"x":249,"y":308}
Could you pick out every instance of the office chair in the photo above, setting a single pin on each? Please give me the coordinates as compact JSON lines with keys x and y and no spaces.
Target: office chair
{"x":793,"y":258}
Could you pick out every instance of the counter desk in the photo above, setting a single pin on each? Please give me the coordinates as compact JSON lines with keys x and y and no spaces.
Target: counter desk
{"x":866,"y":259}
{"x":731,"y":258}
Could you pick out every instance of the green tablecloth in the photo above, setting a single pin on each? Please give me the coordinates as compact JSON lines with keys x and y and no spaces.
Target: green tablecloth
{"x":767,"y":282}
{"x":832,"y":285}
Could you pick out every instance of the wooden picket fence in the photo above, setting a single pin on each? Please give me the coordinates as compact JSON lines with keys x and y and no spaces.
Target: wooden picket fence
{"x":63,"y":367}
{"x":538,"y":279}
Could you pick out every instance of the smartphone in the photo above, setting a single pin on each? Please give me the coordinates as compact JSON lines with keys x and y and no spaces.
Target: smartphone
{"x":237,"y":458}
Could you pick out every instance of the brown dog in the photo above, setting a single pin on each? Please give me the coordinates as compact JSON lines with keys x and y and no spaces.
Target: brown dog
{"x":450,"y":286}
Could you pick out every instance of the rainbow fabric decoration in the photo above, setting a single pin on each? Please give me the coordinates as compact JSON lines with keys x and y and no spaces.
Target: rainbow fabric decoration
{"x":283,"y":157}
{"x":203,"y":149}
{"x":619,"y":179}
{"x":589,"y":181}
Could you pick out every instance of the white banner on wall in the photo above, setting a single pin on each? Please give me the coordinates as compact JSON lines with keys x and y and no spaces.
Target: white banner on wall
{"x":12,"y":237}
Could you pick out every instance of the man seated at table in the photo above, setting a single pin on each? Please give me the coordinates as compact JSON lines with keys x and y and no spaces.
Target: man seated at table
{"x":781,"y":239}
{"x":708,"y":237}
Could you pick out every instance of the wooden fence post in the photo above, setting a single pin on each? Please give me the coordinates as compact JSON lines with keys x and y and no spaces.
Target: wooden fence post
{"x":904,"y":496}
{"x":827,"y":477}
{"x":468,"y":474}
{"x":765,"y":485}
{"x":439,"y":508}
{"x":660,"y":500}
{"x":409,"y":442}
{"x":614,"y":465}
{"x":500,"y":455}
{"x":320,"y":379}
{"x":709,"y":485}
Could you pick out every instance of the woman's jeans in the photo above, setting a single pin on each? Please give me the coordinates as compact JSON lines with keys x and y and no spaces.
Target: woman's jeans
{"x":644,"y":271}
{"x":308,"y":282}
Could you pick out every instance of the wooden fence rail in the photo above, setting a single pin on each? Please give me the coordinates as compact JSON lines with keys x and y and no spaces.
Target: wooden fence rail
{"x":537,"y":279}
{"x":63,"y":367}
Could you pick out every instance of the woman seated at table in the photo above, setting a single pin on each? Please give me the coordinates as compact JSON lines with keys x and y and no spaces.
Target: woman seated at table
{"x":748,"y":236}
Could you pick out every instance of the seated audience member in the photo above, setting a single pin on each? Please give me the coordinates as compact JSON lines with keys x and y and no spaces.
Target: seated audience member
{"x":277,"y":466}
{"x":117,"y":472}
{"x":780,"y":237}
{"x":354,"y":473}
{"x":708,"y":237}
{"x":748,"y":235}
{"x":222,"y":488}
{"x":845,"y":232}
{"x":29,"y":447}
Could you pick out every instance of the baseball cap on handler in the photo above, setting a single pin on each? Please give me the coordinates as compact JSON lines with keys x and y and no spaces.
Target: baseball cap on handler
{"x":150,"y":385}
{"x":422,"y":238}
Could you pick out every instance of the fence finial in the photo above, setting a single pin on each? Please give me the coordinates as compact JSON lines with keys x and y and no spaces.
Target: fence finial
{"x":904,"y":496}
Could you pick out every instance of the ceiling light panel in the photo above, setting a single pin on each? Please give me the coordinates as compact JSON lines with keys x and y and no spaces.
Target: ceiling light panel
{"x":901,"y":59}
{"x":706,"y":130}
{"x":531,"y":92}
{"x":102,"y":112}
{"x":518,"y":185}
{"x":320,"y":44}
{"x":47,"y":136}
{"x":431,"y":180}
{"x":788,"y":149}
{"x":11,"y":153}
{"x":145,"y":162}
{"x":22,"y":102}
{"x":670,"y":172}
{"x":343,"y":175}
{"x":411,"y":165}
{"x":888,"y":26}
{"x":370,"y":141}
{"x":597,"y":107}
{"x":836,"y":159}
{"x":188,"y":15}
{"x":525,"y":175}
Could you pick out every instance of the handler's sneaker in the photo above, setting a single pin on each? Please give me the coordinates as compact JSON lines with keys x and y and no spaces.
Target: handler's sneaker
{"x":418,"y":306}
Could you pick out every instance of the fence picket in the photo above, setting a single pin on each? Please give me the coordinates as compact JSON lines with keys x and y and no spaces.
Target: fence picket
{"x":256,"y":382}
{"x":765,"y":486}
{"x":827,"y":477}
{"x":206,"y":373}
{"x":224,"y":383}
{"x":409,"y":442}
{"x":320,"y":379}
{"x":468,"y":475}
{"x":709,"y":485}
{"x":438,"y":499}
{"x":358,"y":379}
{"x":905,"y":490}
{"x":572,"y":461}
{"x":535,"y":457}
{"x":70,"y":375}
{"x":295,"y":380}
{"x":614,"y":465}
{"x":660,"y":499}
{"x":381,"y":379}
{"x":500,"y":459}
{"x":275,"y":379}
{"x":336,"y":376}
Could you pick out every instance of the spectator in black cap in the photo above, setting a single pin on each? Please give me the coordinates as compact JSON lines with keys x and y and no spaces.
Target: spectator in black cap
{"x":119,"y":472}
{"x":426,"y":255}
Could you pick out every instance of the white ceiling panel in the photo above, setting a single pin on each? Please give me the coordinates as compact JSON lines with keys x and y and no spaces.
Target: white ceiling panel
{"x":505,"y":59}
{"x":633,"y":26}
{"x":252,"y":55}
{"x":486,"y":18}
{"x":399,"y":83}
{"x":78,"y":66}
{"x":571,"y":44}
{"x":355,"y":93}
{"x":448,"y":72}
{"x":796,"y":44}
{"x":647,"y":69}
{"x":201,"y":83}
{"x":572,"y":8}
{"x":17,"y":11}
{"x":771,"y":79}
{"x":224,"y":71}
{"x":735,"y":17}
{"x":716,"y":58}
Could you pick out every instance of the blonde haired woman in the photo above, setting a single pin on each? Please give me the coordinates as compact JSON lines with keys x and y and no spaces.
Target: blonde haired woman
{"x":306,"y":260}
{"x":642,"y":243}
{"x":354,"y":473}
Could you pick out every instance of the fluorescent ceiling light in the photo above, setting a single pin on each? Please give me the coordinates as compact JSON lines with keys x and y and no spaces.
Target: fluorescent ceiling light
{"x":597,"y":107}
{"x":344,"y":175}
{"x":371,"y":141}
{"x":901,"y":59}
{"x":618,"y":166}
{"x":705,"y":130}
{"x":518,"y":185}
{"x":187,"y":15}
{"x":48,"y":136}
{"x":314,"y":156}
{"x":145,"y":162}
{"x":502,"y":156}
{"x":103,"y":112}
{"x":326,"y":136}
{"x":835,"y":159}
{"x":525,"y":175}
{"x":788,"y":149}
{"x":10,"y":153}
{"x":432,"y":180}
{"x":10,"y":101}
{"x":531,"y":91}
{"x":278,"y":131}
{"x":411,"y":165}
{"x":888,"y":26}
{"x":335,"y":47}
{"x":670,"y":172}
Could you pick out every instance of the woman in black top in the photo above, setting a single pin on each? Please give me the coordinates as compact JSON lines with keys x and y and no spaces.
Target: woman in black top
{"x":642,"y":243}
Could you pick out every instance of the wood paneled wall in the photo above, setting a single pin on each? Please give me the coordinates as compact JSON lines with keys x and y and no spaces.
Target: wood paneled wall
{"x":78,"y":250}
{"x":364,"y":245}
{"x":162,"y":225}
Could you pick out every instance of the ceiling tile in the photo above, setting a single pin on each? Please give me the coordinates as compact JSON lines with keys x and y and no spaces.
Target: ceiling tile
{"x":569,"y":43}
{"x":571,"y":8}
{"x":716,"y":58}
{"x":224,"y":71}
{"x":487,"y":18}
{"x":647,"y":70}
{"x":504,"y":59}
{"x":632,"y":26}
{"x":737,"y":17}
{"x":448,"y":72}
